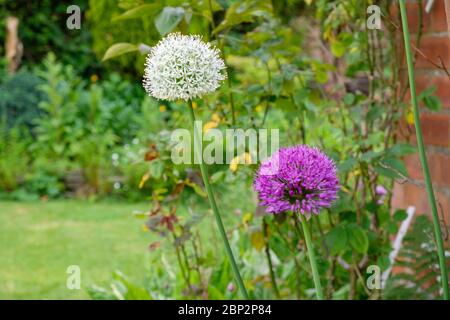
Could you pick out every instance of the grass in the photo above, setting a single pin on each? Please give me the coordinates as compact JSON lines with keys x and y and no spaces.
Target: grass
{"x":39,"y":240}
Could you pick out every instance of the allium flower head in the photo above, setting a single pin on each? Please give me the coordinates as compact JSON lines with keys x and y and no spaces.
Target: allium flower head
{"x":182,"y":67}
{"x":304,"y":181}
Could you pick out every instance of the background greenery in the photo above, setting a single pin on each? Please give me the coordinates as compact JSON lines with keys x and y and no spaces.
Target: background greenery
{"x":81,"y":147}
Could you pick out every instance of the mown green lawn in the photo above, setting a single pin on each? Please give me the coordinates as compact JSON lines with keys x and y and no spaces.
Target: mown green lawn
{"x":39,"y":240}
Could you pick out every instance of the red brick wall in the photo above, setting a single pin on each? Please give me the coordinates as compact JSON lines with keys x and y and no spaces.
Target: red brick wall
{"x":435,"y":44}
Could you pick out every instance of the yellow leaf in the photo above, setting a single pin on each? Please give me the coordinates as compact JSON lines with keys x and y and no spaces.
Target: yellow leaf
{"x":198,"y":190}
{"x":234,"y":164}
{"x":327,"y":35}
{"x":244,"y":158}
{"x":410,"y":118}
{"x":247,"y":158}
{"x":257,"y":240}
{"x":162,"y":108}
{"x":259,"y":108}
{"x":194,"y":105}
{"x":144,"y":178}
{"x":215,"y":117}
{"x":178,"y":231}
{"x":209,"y":125}
{"x":247,"y":217}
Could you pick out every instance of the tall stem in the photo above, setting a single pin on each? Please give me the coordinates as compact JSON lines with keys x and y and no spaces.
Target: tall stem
{"x":312,"y":257}
{"x":215,"y":209}
{"x":269,"y":259}
{"x":422,"y":155}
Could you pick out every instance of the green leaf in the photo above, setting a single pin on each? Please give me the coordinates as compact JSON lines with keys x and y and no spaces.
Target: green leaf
{"x":146,"y":10}
{"x":430,"y":101}
{"x":433,"y":103}
{"x":300,"y":95}
{"x":392,"y":227}
{"x":336,"y":240}
{"x":369,"y":156}
{"x":347,"y":165}
{"x":242,"y":11}
{"x":128,"y":290}
{"x":118,"y":49}
{"x":374,"y":113}
{"x":217,"y":176}
{"x":349,"y":98}
{"x":427,"y":92}
{"x":357,"y":238}
{"x":383,"y":216}
{"x":321,"y":76}
{"x":400,"y":215}
{"x":347,"y":216}
{"x":400,"y":150}
{"x":215,"y":293}
{"x":386,"y":172}
{"x":396,"y":164}
{"x":384,"y":262}
{"x":309,"y":105}
{"x":156,"y":169}
{"x":338,"y":48}
{"x":169,"y":19}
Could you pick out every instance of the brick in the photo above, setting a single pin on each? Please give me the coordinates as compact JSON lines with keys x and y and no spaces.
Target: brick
{"x":435,"y":44}
{"x":439,"y":165}
{"x":408,"y":194}
{"x":434,"y":21}
{"x":441,"y":82}
{"x":443,"y":203}
{"x":427,"y":78}
{"x":435,"y":129}
{"x":433,"y":47}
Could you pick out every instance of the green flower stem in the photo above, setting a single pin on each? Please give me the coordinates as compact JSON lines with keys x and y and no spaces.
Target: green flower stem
{"x":422,"y":155}
{"x":312,"y":257}
{"x":265,"y":227}
{"x":215,"y":209}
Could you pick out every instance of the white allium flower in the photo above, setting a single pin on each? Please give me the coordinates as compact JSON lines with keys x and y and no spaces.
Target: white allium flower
{"x":182,"y":67}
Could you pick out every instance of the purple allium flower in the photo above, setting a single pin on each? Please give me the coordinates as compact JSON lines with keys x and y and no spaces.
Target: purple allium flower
{"x":299,"y":178}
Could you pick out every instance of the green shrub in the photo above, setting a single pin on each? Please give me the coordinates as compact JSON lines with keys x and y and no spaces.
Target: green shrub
{"x":19,"y":99}
{"x":14,"y":159}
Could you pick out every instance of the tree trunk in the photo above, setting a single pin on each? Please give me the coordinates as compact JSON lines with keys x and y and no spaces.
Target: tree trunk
{"x":13,"y":46}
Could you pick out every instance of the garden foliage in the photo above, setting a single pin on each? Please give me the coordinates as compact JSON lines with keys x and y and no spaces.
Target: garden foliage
{"x":308,"y":68}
